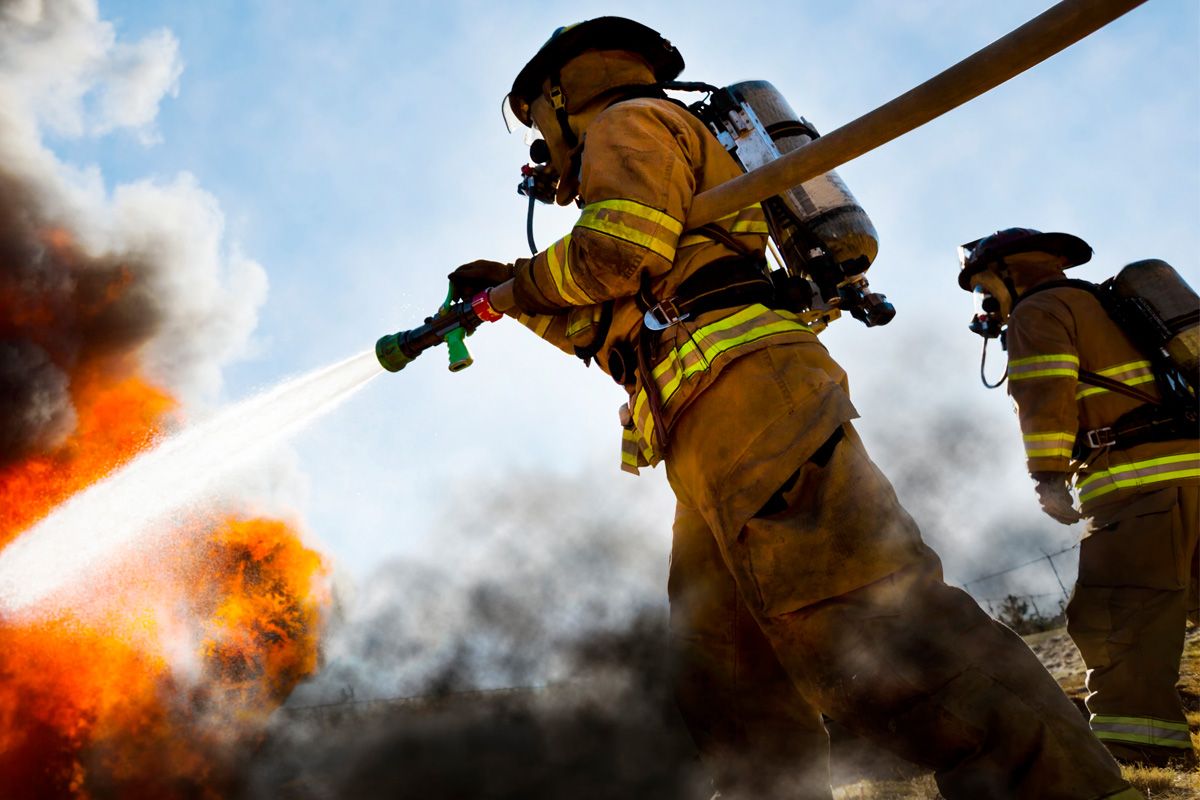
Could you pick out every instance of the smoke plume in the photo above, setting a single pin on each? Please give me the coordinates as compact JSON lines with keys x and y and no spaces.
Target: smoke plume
{"x":93,"y":280}
{"x":118,"y":308}
{"x":534,"y":644}
{"x":529,"y":660}
{"x":958,"y":466}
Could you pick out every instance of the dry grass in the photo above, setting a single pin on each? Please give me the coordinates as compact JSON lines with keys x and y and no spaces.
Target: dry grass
{"x":1158,"y":783}
{"x":922,"y":788}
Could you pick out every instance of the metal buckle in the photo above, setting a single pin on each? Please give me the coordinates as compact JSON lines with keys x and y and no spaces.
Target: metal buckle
{"x":1101,"y":437}
{"x":663,"y":315}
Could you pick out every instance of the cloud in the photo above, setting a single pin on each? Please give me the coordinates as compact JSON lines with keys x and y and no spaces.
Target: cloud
{"x":68,"y":71}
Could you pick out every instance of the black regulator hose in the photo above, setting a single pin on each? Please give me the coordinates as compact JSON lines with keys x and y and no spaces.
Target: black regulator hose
{"x":983,"y":374}
{"x":529,"y":226}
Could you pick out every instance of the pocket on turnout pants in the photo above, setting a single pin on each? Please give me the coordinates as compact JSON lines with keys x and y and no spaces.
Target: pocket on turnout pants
{"x":842,"y":528}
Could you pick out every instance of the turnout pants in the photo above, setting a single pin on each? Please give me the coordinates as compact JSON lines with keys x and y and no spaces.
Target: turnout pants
{"x":1136,"y":588}
{"x":826,"y":600}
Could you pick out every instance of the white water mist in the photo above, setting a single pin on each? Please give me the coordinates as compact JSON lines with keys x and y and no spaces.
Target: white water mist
{"x":92,"y":526}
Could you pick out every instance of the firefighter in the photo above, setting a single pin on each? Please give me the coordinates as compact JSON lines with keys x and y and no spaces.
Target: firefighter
{"x":1139,"y":493}
{"x":798,"y":584}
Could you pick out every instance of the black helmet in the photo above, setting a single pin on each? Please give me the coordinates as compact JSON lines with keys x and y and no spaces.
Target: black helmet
{"x":974,"y":257}
{"x":602,"y":33}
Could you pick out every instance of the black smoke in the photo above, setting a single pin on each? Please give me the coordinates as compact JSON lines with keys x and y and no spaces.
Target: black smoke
{"x":63,"y":311}
{"x":529,"y":660}
{"x":609,"y":732}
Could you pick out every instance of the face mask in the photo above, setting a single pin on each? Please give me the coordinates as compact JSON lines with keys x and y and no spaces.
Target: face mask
{"x":993,"y":302}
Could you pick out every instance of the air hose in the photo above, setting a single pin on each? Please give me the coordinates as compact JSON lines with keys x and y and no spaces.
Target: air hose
{"x":983,"y":374}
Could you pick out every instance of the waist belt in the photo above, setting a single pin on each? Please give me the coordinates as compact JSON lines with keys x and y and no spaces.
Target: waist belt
{"x":1148,"y":423}
{"x":725,"y":283}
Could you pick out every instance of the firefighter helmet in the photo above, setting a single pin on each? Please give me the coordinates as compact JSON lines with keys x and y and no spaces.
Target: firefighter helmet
{"x":601,"y":33}
{"x":976,"y":256}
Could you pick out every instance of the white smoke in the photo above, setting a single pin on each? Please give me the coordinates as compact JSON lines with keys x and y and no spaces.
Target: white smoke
{"x":65,"y":72}
{"x":70,"y":74}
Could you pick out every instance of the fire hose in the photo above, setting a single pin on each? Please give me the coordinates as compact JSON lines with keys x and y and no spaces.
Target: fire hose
{"x":1023,"y":48}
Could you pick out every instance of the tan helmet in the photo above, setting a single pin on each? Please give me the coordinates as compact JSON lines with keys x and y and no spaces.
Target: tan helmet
{"x":657,"y":61}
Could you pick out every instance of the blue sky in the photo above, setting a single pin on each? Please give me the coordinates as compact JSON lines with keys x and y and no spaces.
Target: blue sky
{"x":358,"y":153}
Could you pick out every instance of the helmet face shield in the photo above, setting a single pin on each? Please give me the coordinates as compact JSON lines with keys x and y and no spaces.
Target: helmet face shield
{"x":512,"y":119}
{"x":966,"y":252}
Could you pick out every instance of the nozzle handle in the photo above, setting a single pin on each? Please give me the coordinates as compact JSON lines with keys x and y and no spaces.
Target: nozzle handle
{"x":460,"y":357}
{"x":451,"y":324}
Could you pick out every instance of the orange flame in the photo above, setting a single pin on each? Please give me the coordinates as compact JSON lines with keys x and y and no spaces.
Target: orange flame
{"x":170,"y":664}
{"x":116,"y":418}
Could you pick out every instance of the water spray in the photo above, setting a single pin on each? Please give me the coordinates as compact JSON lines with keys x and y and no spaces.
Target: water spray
{"x":91,"y":528}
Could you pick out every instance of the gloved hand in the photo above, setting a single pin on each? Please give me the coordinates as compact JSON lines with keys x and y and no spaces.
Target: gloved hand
{"x":1055,"y":497}
{"x":471,"y":279}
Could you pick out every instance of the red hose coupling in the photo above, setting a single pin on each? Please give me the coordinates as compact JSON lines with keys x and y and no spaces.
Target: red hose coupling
{"x":483,"y":308}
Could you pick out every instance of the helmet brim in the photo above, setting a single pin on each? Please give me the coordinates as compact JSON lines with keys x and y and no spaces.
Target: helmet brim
{"x":1070,"y":247}
{"x":602,"y":33}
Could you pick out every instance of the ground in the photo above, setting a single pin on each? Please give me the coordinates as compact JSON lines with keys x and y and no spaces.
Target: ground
{"x":1056,"y":651}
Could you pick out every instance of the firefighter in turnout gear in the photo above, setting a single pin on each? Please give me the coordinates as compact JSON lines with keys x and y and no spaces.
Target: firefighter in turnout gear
{"x":798,"y":584}
{"x":1073,"y":373}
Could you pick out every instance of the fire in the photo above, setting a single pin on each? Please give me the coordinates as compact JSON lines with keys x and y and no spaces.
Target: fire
{"x":163,"y":672}
{"x":116,"y":418}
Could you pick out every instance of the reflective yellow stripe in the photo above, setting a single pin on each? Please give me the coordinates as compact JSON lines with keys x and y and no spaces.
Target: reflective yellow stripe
{"x":1057,"y":365}
{"x":1067,"y":357}
{"x":643,"y":420}
{"x":749,"y":221}
{"x":750,"y":226}
{"x":1120,"y":368}
{"x":1049,"y":445}
{"x":614,"y":218}
{"x":1142,"y":730}
{"x":632,"y":453}
{"x":1133,"y":373}
{"x":712,"y":351}
{"x":1095,"y":390}
{"x":538,"y":324}
{"x":1139,"y":473}
{"x":558,"y":265}
{"x":649,"y":213}
{"x":749,"y":325}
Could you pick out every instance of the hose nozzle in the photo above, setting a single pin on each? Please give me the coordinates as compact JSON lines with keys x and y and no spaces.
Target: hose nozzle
{"x":452,"y":323}
{"x":388,"y":351}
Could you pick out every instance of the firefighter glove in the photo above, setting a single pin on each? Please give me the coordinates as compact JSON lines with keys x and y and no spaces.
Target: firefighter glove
{"x":1056,"y":498}
{"x":478,"y":276}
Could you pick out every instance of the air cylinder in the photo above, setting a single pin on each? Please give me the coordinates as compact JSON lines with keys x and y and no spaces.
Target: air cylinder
{"x":823,"y":205}
{"x":1169,"y":310}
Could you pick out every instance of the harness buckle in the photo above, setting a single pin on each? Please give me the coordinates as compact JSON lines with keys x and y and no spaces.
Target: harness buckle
{"x":663,"y":315}
{"x":1101,"y":437}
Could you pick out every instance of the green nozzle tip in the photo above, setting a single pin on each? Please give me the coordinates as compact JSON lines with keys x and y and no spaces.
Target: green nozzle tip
{"x":387,"y":350}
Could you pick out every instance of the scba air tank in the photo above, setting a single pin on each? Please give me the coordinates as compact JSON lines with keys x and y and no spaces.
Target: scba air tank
{"x":1163,"y":312}
{"x":824,"y":237}
{"x":831,"y":218}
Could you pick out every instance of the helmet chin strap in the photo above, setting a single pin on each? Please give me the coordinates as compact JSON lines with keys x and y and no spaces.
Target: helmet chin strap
{"x":558,"y":102}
